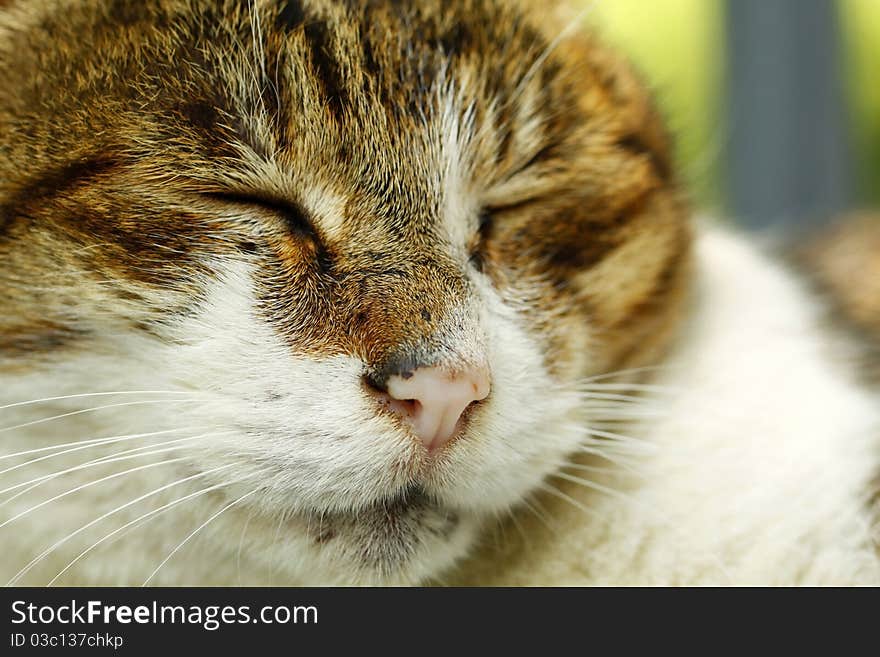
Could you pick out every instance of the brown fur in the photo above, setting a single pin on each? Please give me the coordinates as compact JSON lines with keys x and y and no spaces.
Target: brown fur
{"x":846,"y":259}
{"x":130,"y":130}
{"x":143,"y":143}
{"x":843,"y":264}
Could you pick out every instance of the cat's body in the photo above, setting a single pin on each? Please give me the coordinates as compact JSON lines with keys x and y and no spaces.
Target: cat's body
{"x":248,"y":225}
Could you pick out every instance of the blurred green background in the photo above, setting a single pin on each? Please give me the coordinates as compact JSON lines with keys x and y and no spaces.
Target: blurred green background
{"x":679,"y":45}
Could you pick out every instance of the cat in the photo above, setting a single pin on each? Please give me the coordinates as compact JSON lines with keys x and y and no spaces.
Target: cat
{"x":367,"y":292}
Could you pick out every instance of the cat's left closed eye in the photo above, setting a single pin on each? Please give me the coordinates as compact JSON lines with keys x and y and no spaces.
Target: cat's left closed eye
{"x":484,"y":228}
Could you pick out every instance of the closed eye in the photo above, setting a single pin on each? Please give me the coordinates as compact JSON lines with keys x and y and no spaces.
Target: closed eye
{"x":484,"y":228}
{"x":292,"y":213}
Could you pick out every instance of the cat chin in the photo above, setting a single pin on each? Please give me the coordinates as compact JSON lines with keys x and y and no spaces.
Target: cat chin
{"x":408,"y":540}
{"x":403,"y":541}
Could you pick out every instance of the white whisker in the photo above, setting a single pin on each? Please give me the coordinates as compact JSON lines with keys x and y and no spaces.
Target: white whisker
{"x":638,"y":387}
{"x":558,"y":493}
{"x":606,"y":413}
{"x":96,"y":408}
{"x":96,"y":394}
{"x":247,"y":523}
{"x":590,"y":468}
{"x":140,"y":519}
{"x":110,"y":458}
{"x":592,"y":485}
{"x":53,"y":547}
{"x":627,"y":372}
{"x":84,"y":486}
{"x":194,"y":532}
{"x":539,"y":513}
{"x":80,"y":446}
{"x":616,"y":397}
{"x":614,"y":457}
{"x":619,"y":438}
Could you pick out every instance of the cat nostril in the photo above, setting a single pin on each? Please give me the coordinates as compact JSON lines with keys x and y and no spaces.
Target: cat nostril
{"x":432,"y":400}
{"x":405,"y":408}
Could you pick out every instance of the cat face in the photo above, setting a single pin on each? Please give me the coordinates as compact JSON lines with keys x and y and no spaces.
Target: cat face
{"x":286,"y":209}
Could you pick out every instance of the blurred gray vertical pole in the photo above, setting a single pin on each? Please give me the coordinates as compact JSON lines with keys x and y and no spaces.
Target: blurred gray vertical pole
{"x":788,"y":160}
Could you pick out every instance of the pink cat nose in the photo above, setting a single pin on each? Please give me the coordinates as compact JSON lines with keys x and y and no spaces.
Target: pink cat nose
{"x":431,"y":400}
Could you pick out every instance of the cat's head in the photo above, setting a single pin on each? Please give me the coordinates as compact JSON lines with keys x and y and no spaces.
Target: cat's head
{"x":378,"y":244}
